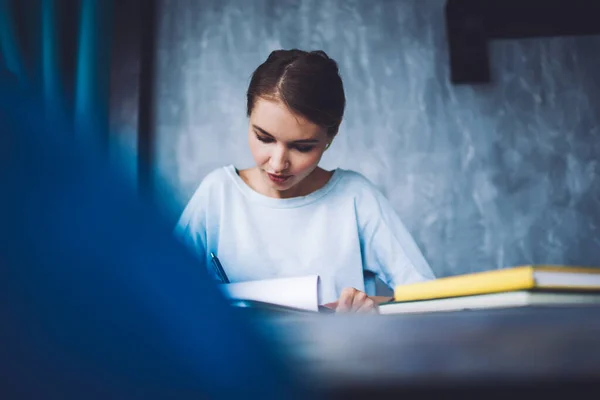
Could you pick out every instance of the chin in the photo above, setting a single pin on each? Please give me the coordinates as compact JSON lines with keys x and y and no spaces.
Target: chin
{"x":282,"y":188}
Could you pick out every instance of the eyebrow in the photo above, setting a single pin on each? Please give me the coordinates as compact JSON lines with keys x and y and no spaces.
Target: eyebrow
{"x":304,"y":141}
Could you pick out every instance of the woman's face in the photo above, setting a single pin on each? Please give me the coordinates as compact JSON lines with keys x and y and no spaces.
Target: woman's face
{"x":286,"y":147}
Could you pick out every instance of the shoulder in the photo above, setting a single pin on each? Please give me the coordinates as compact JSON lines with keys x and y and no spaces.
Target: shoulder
{"x":216,"y":178}
{"x":210,"y":188}
{"x":358,"y":185}
{"x":369,"y":201}
{"x":214,"y":183}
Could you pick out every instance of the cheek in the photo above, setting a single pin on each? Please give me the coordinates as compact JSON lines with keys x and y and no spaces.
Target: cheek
{"x":305,"y":163}
{"x":259,"y":152}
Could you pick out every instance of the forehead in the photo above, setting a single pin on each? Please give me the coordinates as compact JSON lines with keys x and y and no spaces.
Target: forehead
{"x":275,"y":118}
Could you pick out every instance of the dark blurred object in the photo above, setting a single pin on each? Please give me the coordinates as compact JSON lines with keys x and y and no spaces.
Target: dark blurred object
{"x":471,"y":24}
{"x":131,"y":87}
{"x":146,"y":117}
{"x":98,"y":299}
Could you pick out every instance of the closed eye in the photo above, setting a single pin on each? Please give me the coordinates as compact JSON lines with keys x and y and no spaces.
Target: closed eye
{"x":304,"y":149}
{"x":298,"y":147}
{"x":264,"y":139}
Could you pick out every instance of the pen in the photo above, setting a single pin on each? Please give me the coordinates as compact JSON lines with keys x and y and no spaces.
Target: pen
{"x":219,"y":268}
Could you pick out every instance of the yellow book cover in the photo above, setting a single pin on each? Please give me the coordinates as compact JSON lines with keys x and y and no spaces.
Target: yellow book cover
{"x":502,"y":280}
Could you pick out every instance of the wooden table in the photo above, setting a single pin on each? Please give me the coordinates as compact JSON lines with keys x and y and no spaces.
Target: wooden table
{"x":518,"y":352}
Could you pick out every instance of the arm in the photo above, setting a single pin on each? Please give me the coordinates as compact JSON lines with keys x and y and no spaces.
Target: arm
{"x":388,"y":249}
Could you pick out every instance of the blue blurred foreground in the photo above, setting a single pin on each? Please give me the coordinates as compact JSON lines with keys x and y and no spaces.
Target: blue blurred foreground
{"x":98,"y":299}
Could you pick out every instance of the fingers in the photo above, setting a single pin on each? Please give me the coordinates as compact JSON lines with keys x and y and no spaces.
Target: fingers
{"x":352,"y":300}
{"x":358,"y":300}
{"x":368,"y":306}
{"x":346,"y":299}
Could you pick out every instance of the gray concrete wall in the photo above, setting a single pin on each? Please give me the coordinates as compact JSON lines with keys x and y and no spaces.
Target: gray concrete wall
{"x":484,"y":176}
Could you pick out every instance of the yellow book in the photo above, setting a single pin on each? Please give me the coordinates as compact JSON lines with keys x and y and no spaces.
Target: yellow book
{"x":530,"y":277}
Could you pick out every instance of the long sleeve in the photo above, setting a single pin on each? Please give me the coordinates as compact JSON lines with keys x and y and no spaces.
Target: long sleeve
{"x":388,"y":249}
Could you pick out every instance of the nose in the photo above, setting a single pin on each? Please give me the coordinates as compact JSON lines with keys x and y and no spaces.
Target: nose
{"x":279,"y":160}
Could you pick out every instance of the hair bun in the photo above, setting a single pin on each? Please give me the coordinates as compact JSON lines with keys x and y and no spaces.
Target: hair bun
{"x":320,"y":53}
{"x":285,"y":55}
{"x":289,"y":56}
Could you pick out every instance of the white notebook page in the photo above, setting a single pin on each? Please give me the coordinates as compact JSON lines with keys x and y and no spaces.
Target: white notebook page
{"x":299,"y":292}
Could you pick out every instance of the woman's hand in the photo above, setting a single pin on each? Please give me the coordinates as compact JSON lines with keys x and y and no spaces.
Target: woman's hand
{"x":353,"y":300}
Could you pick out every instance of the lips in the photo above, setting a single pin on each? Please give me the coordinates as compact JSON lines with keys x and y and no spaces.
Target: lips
{"x":278,"y":178}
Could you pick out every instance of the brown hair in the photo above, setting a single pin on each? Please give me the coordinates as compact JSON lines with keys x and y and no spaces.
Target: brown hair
{"x":308,"y":83}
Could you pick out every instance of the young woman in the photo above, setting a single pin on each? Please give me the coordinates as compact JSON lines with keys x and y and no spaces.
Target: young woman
{"x":286,"y":216}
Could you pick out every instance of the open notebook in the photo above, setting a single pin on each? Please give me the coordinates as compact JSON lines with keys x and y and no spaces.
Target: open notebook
{"x":299,"y":293}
